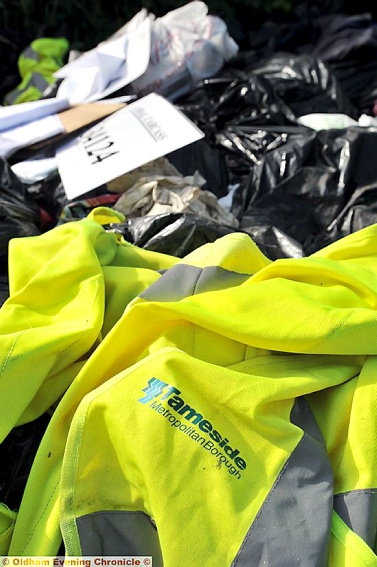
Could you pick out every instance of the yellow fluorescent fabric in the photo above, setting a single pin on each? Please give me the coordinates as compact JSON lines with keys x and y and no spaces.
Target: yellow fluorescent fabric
{"x":122,"y":454}
{"x":59,"y":302}
{"x":36,"y":65}
{"x":347,"y":549}
{"x":347,"y":417}
{"x":241,"y":339}
{"x":56,"y":310}
{"x":52,"y":318}
{"x":7,"y":519}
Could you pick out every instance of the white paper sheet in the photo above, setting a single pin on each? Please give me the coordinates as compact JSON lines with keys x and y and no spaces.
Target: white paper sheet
{"x":32,"y":170}
{"x":23,"y":136}
{"x":18,"y":114}
{"x":145,"y":130}
{"x":108,"y":67}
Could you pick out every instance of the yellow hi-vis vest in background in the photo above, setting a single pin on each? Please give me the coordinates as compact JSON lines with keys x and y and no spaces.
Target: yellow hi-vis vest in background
{"x":37,"y":65}
{"x":226,"y":418}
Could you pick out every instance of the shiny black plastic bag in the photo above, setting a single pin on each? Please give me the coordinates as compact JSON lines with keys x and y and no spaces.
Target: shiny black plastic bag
{"x":359,"y":212}
{"x":304,"y":83}
{"x":19,"y":214}
{"x":234,"y":96}
{"x":346,"y":43}
{"x":272,"y":241}
{"x":316,"y":188}
{"x":209,"y":161}
{"x":251,"y":106}
{"x":17,"y":454}
{"x":225,"y":107}
{"x":50,"y":196}
{"x":178,"y":234}
{"x":4,"y":288}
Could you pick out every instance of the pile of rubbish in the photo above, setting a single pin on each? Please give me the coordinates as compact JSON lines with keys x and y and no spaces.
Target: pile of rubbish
{"x":188,"y":289}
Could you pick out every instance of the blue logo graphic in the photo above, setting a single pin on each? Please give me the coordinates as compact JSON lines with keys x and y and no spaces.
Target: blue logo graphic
{"x":153,"y":390}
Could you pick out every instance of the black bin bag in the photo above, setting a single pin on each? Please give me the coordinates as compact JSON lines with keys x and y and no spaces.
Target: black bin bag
{"x":234,"y":96}
{"x":250,"y":107}
{"x":304,"y":83}
{"x":178,"y":234}
{"x":224,"y":107}
{"x":316,"y":188}
{"x":17,"y":454}
{"x":19,"y":214}
{"x":207,"y":160}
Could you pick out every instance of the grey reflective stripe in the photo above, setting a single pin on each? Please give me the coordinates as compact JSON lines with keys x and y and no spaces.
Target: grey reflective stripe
{"x":29,"y":53}
{"x":11,"y":97}
{"x":183,"y":280}
{"x":294,"y":524}
{"x":358,"y":509}
{"x":119,"y":533}
{"x":36,"y":80}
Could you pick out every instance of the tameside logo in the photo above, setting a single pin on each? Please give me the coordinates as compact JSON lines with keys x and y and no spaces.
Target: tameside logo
{"x":217,"y":446}
{"x":153,"y":390}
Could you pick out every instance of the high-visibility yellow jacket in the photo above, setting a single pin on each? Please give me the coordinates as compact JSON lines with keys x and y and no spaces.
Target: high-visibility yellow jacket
{"x":67,"y":289}
{"x":37,"y":65}
{"x":226,"y":418}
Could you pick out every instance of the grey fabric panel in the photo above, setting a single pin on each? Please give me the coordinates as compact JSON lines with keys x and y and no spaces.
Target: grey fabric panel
{"x":29,"y":53}
{"x":183,"y":280}
{"x":119,"y":533}
{"x":215,"y":278}
{"x":173,"y":285}
{"x":294,"y":524}
{"x":38,"y":81}
{"x":358,"y":509}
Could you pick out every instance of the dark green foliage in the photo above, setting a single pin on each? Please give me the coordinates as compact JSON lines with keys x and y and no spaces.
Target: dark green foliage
{"x":87,"y":22}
